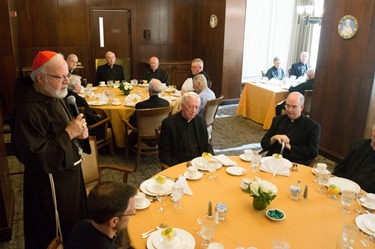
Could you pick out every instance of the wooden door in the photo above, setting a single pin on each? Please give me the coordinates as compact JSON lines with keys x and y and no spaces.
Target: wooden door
{"x":110,"y":31}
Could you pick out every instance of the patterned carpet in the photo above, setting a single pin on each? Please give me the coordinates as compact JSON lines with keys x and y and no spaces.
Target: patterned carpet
{"x":231,"y":135}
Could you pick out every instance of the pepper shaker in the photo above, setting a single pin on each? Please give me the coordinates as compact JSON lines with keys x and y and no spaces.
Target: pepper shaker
{"x":305,"y":192}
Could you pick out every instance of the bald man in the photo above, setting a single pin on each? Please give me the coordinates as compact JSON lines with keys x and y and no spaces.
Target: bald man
{"x":300,"y":133}
{"x":155,"y":72}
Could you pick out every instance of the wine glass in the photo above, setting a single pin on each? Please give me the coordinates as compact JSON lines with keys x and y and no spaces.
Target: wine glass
{"x":207,"y":230}
{"x":177,"y":193}
{"x":255,"y":162}
{"x":347,"y":197}
{"x":161,"y":197}
{"x":323,"y":180}
{"x":212,"y":166}
{"x":206,"y":156}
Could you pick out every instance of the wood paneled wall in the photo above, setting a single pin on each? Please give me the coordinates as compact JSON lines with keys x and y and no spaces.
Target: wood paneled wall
{"x":344,"y":76}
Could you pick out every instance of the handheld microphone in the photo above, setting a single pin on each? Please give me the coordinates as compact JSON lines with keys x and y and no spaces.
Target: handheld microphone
{"x":71,"y":100}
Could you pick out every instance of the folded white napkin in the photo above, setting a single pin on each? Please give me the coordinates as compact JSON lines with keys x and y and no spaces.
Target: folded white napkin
{"x":224,"y":160}
{"x":275,"y":166}
{"x":132,"y":98}
{"x":182,"y":181}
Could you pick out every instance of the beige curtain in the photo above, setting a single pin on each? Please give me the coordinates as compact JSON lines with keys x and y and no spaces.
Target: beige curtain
{"x":301,"y":35}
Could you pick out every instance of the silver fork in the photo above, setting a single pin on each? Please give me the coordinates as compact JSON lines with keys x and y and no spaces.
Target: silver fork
{"x":146,"y":234}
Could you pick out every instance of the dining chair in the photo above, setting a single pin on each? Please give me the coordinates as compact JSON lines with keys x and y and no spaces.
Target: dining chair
{"x":210,"y":113}
{"x":56,"y":243}
{"x":147,"y":121}
{"x":107,"y":140}
{"x":157,"y":133}
{"x":307,"y":105}
{"x":91,"y":168}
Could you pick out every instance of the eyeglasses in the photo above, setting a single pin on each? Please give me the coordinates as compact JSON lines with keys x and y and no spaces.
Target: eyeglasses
{"x":131,"y":214}
{"x":61,"y":78}
{"x":291,"y":106}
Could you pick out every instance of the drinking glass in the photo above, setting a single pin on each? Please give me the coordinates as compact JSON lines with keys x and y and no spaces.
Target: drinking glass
{"x":207,"y":230}
{"x":111,"y":96}
{"x":161,"y":198}
{"x":212,"y":166}
{"x":255,"y":162}
{"x":323,"y":180}
{"x":177,"y":193}
{"x":110,"y":83}
{"x":347,"y":197}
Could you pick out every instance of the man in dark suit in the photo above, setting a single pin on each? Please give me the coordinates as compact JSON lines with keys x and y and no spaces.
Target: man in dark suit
{"x":300,"y":133}
{"x":300,"y":68}
{"x":184,"y":135}
{"x":301,"y":88}
{"x":154,"y":101}
{"x":109,"y":71}
{"x":155,"y":72}
{"x":359,"y":165}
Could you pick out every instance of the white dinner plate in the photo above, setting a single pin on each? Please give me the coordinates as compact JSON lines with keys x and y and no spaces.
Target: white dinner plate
{"x":345,"y":184}
{"x":156,"y":188}
{"x":197,"y":177}
{"x":97,"y":102}
{"x":200,"y":163}
{"x":236,"y":171}
{"x":365,"y":204}
{"x":242,"y":156}
{"x":146,"y":203}
{"x":187,"y":240}
{"x":144,"y":185}
{"x":359,"y":221}
{"x":370,"y":224}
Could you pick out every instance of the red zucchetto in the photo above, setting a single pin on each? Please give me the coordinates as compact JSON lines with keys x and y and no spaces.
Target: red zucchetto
{"x":42,"y":57}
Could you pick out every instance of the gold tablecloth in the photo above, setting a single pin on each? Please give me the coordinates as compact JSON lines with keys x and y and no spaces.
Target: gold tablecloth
{"x":258,"y":102}
{"x":312,"y":223}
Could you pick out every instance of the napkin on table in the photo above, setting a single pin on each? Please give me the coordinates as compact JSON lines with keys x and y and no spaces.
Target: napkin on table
{"x":224,"y":160}
{"x":182,"y":181}
{"x":275,"y":166}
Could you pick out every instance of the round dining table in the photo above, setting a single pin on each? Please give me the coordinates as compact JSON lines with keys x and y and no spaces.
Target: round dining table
{"x":314,"y":222}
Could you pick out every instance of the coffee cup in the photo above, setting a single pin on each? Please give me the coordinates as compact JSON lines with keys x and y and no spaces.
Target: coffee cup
{"x":101,"y":83}
{"x":193,"y":171}
{"x":370,"y":199}
{"x":139,"y":199}
{"x":248,"y":154}
{"x":321,"y":167}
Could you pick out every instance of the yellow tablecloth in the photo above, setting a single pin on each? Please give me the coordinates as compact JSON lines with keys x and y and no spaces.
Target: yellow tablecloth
{"x":312,"y":223}
{"x":258,"y":102}
{"x":118,"y":113}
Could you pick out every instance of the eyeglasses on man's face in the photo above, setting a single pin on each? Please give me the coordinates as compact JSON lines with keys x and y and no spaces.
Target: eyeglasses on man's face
{"x":61,"y":78}
{"x":128,"y":215}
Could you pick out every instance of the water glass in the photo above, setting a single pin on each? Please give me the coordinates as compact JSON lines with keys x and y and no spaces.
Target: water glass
{"x":255,"y":162}
{"x":212,"y":166}
{"x":280,"y":244}
{"x":347,"y":197}
{"x":161,"y":198}
{"x":323,"y":180}
{"x":177,"y":193}
{"x":207,"y":231}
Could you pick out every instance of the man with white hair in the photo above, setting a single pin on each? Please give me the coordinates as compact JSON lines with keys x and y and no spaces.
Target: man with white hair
{"x":196,"y":68}
{"x":183,"y":135}
{"x":47,"y":140}
{"x":300,"y":68}
{"x":109,"y":71}
{"x":205,"y":93}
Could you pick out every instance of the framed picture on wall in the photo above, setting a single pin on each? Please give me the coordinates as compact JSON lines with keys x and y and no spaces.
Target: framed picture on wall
{"x":348,"y":27}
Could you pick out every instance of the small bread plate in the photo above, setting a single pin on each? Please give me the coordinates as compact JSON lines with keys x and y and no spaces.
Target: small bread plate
{"x":196,"y":177}
{"x":246,"y":159}
{"x":146,"y":203}
{"x":201,"y":163}
{"x":360,"y":222}
{"x":275,"y":214}
{"x":149,"y":184}
{"x":183,"y":240}
{"x":235,"y":171}
{"x":365,"y":204}
{"x":97,"y":102}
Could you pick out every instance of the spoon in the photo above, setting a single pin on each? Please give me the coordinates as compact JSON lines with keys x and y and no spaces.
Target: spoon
{"x":146,"y":234}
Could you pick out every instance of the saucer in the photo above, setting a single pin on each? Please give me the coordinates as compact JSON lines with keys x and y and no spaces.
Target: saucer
{"x":236,"y":171}
{"x":366,"y":205}
{"x":116,"y":103}
{"x":246,"y":159}
{"x":103,"y":85}
{"x":196,"y":177}
{"x":215,"y":245}
{"x":146,"y":203}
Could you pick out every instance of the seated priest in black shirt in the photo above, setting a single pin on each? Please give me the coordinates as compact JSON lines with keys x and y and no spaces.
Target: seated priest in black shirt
{"x":109,"y":71}
{"x":74,"y":88}
{"x":300,"y":68}
{"x":110,"y":206}
{"x":301,"y":88}
{"x":196,"y":68}
{"x":184,"y":136}
{"x":276,"y":71}
{"x":155,"y":72}
{"x":300,"y":133}
{"x":359,"y":164}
